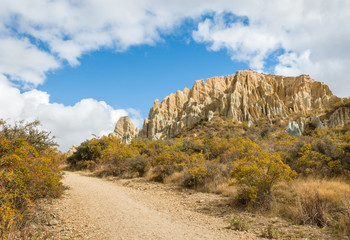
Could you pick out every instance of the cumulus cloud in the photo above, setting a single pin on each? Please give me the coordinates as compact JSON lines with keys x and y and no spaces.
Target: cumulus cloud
{"x":69,"y":124}
{"x":312,"y":35}
{"x":38,"y":36}
{"x":243,"y":42}
{"x":68,"y":29}
{"x":23,"y":61}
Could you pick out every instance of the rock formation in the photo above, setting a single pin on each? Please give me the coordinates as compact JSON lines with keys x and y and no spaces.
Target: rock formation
{"x":296,"y":128}
{"x":339,"y":117}
{"x":125,"y":129}
{"x":72,"y":150}
{"x":245,"y":96}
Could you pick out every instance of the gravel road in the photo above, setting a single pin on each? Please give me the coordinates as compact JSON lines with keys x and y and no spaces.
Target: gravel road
{"x":93,"y":208}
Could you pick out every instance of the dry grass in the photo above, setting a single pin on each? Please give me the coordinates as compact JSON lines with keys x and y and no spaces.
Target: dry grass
{"x":218,"y":184}
{"x":175,"y":178}
{"x":315,"y":201}
{"x":333,"y":191}
{"x":151,"y":173}
{"x":227,"y":190}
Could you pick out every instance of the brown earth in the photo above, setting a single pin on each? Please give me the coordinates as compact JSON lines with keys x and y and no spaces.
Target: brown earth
{"x":95,"y":208}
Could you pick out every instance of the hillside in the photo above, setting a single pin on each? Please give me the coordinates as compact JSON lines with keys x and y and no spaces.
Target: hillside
{"x":259,"y":167}
{"x":290,"y":159}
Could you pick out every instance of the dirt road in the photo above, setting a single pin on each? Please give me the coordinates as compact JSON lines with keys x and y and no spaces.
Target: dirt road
{"x":98,"y":209}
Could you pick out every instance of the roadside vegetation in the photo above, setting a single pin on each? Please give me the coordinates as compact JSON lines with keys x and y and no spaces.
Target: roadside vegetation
{"x":29,"y":170}
{"x":304,"y":179}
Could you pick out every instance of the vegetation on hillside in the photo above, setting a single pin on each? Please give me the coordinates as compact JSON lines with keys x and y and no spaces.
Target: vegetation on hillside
{"x":28,"y":171}
{"x":296,"y":177}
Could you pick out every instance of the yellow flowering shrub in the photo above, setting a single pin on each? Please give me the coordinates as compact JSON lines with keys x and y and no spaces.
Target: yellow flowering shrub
{"x":315,"y":162}
{"x":257,"y":173}
{"x":27,"y":172}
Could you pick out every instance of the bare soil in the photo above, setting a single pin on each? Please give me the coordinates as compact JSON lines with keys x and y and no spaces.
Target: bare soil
{"x":113,"y":208}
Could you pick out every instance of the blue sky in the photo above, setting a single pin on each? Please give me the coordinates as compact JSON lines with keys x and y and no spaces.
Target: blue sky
{"x":79,"y":66}
{"x":138,"y":76}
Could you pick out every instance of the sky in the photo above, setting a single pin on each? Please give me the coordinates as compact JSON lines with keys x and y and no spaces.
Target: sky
{"x":79,"y":65}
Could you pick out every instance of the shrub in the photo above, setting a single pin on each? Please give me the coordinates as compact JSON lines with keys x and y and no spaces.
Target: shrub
{"x":239,"y":148}
{"x":30,"y":132}
{"x":310,"y":128}
{"x":136,"y":164}
{"x":270,"y":232}
{"x":86,"y":154}
{"x":238,"y":223}
{"x":104,"y":150}
{"x":116,"y":152}
{"x":317,"y":163}
{"x":165,"y":163}
{"x":257,"y":174}
{"x":191,"y":146}
{"x":28,"y":171}
{"x":217,"y":146}
{"x":199,"y":171}
{"x":152,"y":148}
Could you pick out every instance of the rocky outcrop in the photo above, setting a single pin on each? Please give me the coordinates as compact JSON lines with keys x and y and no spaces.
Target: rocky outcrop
{"x":339,"y":117}
{"x":296,"y":128}
{"x":245,"y":96}
{"x":72,"y":150}
{"x":125,"y":129}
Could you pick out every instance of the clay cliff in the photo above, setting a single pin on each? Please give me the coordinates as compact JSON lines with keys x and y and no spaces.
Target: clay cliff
{"x":339,"y":117}
{"x":245,"y":96}
{"x":125,"y":129}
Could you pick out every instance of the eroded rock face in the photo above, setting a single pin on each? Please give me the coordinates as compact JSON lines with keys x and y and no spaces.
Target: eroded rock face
{"x":125,"y":129}
{"x":339,"y":117}
{"x":245,"y":96}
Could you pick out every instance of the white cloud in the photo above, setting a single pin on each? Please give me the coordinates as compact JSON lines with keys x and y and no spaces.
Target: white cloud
{"x":244,"y":43}
{"x":70,"y":124}
{"x":69,"y":29}
{"x":23,"y":61}
{"x":314,"y":35}
{"x":37,"y":36}
{"x":294,"y":64}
